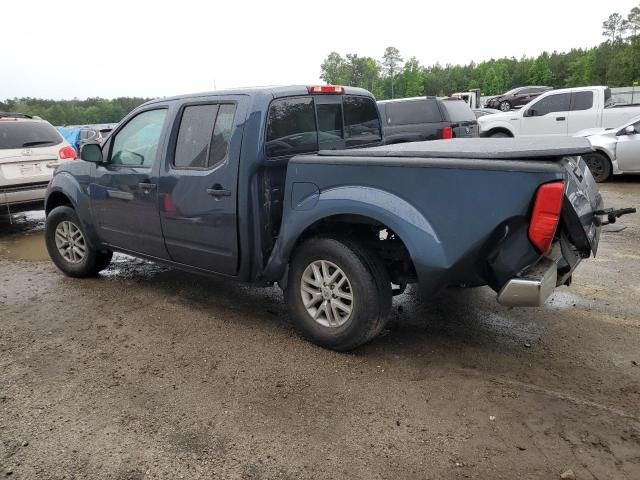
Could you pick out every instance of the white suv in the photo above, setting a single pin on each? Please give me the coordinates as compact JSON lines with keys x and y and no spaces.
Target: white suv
{"x":30,"y":148}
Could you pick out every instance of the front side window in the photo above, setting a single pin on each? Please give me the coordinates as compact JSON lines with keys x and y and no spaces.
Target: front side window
{"x":136,"y":145}
{"x":291,"y":127}
{"x":553,"y":103}
{"x":361,"y":121}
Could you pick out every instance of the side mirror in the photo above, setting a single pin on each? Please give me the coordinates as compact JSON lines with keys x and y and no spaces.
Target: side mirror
{"x":91,"y":152}
{"x":530,"y":113}
{"x":630,"y":130}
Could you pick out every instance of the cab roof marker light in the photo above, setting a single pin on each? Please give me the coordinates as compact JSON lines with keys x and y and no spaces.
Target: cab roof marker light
{"x":326,"y":89}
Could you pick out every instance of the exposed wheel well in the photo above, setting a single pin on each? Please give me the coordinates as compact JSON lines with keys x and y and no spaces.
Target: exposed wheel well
{"x":493,"y":131}
{"x":375,"y":236}
{"x":57,"y":199}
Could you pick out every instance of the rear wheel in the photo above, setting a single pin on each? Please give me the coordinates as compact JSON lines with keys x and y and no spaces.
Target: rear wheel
{"x":505,"y":106}
{"x":499,"y":135}
{"x":68,"y":246}
{"x":599,"y":165}
{"x":340,"y":293}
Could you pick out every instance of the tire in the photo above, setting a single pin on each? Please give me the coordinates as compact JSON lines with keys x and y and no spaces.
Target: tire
{"x":367,"y":281}
{"x":500,"y":135}
{"x":599,"y":165}
{"x":505,"y":106}
{"x":68,"y":247}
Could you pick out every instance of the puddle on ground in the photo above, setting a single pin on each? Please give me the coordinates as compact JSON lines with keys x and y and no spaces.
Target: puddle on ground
{"x":24,"y":247}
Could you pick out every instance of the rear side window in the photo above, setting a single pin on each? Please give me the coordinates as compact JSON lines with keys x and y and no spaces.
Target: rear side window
{"x":291,"y":127}
{"x":558,"y":102}
{"x":413,"y":112}
{"x":582,"y":101}
{"x":458,"y":111}
{"x":17,"y":134}
{"x":361,"y":121}
{"x":204,"y":135}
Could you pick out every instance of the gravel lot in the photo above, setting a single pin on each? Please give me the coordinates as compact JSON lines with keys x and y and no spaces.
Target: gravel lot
{"x":146,"y":372}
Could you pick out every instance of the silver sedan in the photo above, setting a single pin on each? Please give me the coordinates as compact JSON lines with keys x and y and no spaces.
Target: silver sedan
{"x":617,"y":150}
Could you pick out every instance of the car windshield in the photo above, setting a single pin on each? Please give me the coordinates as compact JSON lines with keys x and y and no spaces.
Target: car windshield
{"x":17,"y":134}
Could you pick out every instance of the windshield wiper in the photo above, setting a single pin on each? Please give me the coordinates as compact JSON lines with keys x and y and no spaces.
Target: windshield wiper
{"x":33,"y":144}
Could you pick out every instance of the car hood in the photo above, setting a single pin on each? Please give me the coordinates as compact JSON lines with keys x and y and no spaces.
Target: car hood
{"x":496,"y":117}
{"x":588,"y":132}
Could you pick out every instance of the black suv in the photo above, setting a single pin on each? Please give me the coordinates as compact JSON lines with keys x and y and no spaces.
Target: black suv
{"x":426,"y":118}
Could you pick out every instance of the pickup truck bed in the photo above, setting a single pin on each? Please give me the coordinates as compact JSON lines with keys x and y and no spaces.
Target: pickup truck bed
{"x":461,"y":208}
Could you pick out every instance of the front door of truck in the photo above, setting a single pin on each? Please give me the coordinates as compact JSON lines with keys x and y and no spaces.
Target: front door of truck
{"x":123,"y":189}
{"x":199,"y":185}
{"x":547,"y":116}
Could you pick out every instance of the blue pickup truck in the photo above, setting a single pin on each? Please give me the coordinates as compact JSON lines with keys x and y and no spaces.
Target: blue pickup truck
{"x":292,"y":185}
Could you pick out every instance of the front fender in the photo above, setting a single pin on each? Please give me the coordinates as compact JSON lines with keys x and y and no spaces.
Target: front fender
{"x":498,"y":125}
{"x":66,"y":184}
{"x":413,"y":228}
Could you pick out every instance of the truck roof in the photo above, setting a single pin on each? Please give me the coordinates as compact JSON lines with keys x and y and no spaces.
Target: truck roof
{"x":481,"y":148}
{"x":275,"y":91}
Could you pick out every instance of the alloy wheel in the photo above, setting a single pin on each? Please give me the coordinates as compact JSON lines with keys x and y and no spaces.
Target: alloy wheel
{"x":326,"y":293}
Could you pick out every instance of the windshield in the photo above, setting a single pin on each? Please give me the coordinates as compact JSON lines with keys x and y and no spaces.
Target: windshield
{"x":17,"y":134}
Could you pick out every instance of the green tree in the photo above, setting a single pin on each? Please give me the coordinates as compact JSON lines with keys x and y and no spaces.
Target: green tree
{"x":392,"y":62}
{"x":614,"y":27}
{"x":335,"y":70}
{"x":633,"y":21}
{"x":540,"y":73}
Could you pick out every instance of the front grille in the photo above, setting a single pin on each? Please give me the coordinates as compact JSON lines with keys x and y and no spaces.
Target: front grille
{"x":24,"y":187}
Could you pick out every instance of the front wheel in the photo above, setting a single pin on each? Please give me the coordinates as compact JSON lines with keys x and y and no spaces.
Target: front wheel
{"x":68,"y":246}
{"x":599,"y":165}
{"x":505,"y":106}
{"x":339,"y":293}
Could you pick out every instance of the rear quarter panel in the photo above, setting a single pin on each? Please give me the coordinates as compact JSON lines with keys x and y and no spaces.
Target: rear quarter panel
{"x":444,"y":210}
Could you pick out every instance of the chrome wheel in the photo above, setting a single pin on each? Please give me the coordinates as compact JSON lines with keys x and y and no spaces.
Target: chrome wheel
{"x":70,"y":242}
{"x":505,"y":106}
{"x":326,"y":293}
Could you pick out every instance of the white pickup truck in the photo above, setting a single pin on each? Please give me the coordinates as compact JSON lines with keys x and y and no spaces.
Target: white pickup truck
{"x":561,"y":113}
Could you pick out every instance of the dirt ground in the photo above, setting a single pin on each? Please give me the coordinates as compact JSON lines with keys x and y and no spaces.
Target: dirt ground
{"x":146,"y":372}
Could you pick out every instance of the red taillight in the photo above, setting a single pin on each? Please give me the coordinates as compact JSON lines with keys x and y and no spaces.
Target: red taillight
{"x":447,"y":133}
{"x":326,"y":89}
{"x":546,"y":215}
{"x":67,"y":153}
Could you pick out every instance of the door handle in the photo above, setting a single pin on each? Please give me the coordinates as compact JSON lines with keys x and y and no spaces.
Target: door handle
{"x":146,"y":186}
{"x":217,"y":191}
{"x":560,"y":119}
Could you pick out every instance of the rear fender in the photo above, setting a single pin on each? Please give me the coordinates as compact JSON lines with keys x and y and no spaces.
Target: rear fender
{"x":418,"y":235}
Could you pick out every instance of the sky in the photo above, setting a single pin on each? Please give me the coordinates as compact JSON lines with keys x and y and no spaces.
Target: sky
{"x":65,"y":49}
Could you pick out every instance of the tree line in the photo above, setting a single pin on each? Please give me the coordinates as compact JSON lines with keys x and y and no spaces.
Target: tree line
{"x":74,"y":112}
{"x":615,"y":62}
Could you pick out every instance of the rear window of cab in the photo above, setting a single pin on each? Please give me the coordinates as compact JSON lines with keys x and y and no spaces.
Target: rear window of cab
{"x":302,"y":125}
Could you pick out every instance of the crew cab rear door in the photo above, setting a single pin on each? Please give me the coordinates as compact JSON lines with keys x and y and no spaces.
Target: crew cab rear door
{"x":199,"y":184}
